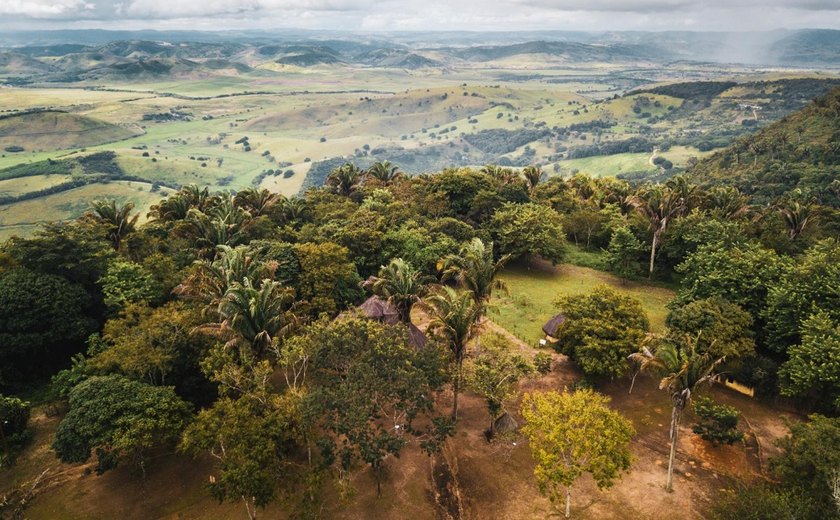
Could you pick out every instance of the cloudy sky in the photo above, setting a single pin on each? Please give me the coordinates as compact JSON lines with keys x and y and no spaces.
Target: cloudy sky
{"x":422,"y":14}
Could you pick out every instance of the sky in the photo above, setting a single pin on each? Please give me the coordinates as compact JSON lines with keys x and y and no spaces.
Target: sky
{"x":422,"y":15}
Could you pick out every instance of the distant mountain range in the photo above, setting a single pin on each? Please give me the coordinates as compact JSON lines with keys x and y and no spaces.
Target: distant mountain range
{"x":62,"y":56}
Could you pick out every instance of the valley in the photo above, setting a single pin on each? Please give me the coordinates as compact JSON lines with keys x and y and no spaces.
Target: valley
{"x":281,"y":115}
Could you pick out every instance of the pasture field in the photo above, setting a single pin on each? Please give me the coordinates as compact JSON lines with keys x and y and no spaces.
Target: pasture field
{"x":269,"y":125}
{"x":533,"y":292}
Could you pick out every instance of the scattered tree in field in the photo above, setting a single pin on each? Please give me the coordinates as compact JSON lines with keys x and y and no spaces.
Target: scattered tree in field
{"x":454,"y":319}
{"x":493,"y":373}
{"x":682,"y":369}
{"x":120,"y":419}
{"x":718,"y":423}
{"x":571,"y":434}
{"x":600,"y":330}
{"x":623,"y":253}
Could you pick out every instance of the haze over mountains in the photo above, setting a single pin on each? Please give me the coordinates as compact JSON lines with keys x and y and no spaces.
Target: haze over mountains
{"x":68,"y":56}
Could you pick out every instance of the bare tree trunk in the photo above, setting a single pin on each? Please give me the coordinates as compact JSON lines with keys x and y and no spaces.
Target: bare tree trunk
{"x":675,"y":425}
{"x":456,"y":386}
{"x":653,"y":252}
{"x":252,"y":515}
{"x":568,"y":501}
{"x":633,"y":382}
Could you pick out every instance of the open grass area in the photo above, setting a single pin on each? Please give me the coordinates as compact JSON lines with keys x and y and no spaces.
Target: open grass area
{"x":532,"y":293}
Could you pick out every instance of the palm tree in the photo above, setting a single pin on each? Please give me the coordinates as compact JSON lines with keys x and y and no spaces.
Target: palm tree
{"x":533,"y":175}
{"x":399,"y":283}
{"x":117,"y":219}
{"x":727,"y":202}
{"x":385,"y":172}
{"x":476,"y":270}
{"x":690,"y":195}
{"x":682,"y":369}
{"x":345,"y":179}
{"x":254,"y":317}
{"x":659,"y":205}
{"x":795,"y":216}
{"x":454,"y":318}
{"x":256,"y":202}
{"x":210,"y":281}
{"x":292,"y":208}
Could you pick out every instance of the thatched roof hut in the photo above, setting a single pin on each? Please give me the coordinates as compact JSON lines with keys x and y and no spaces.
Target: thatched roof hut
{"x":416,"y":338}
{"x":551,"y":326}
{"x":376,"y":308}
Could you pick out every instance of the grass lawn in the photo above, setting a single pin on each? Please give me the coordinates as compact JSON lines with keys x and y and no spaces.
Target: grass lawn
{"x":533,"y":293}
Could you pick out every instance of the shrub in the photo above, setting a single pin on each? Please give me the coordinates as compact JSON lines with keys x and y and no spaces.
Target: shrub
{"x":14,"y":149}
{"x":542,"y":362}
{"x":718,"y":422}
{"x":14,"y":416}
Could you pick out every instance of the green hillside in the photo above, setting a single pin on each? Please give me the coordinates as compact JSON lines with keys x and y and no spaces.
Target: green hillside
{"x":800,"y":151}
{"x":54,"y":130}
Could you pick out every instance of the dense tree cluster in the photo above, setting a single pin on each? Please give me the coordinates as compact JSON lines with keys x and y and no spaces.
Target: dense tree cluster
{"x":234,"y":325}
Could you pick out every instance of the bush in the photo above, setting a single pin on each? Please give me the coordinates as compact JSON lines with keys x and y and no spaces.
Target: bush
{"x":14,"y":149}
{"x":542,"y":362}
{"x":718,"y":422}
{"x":14,"y":415}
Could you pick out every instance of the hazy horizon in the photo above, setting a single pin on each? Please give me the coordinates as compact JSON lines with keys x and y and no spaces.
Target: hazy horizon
{"x":430,"y":15}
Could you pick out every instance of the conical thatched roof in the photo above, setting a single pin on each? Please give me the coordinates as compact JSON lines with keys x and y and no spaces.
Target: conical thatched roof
{"x":376,"y":308}
{"x":416,"y":338}
{"x":505,"y":424}
{"x":550,"y":327}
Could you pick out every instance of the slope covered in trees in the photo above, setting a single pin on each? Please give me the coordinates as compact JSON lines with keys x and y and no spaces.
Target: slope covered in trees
{"x":800,"y":152}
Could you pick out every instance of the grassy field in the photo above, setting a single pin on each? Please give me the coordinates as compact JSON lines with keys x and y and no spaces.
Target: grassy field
{"x":23,"y":217}
{"x":532,"y":295}
{"x":182,"y":132}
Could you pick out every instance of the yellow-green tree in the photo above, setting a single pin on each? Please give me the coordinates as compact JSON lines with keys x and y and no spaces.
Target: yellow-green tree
{"x":571,"y":434}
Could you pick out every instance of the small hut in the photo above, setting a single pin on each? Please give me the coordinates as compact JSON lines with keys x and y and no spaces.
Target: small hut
{"x":551,"y":326}
{"x":416,"y":338}
{"x":376,"y":308}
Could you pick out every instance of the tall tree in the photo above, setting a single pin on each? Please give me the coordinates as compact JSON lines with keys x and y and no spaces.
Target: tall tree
{"x":575,"y":433}
{"x":118,"y":220}
{"x":476,"y":270}
{"x":372,"y":391}
{"x":659,"y":205}
{"x":682,"y":369}
{"x":121,"y":419}
{"x":533,"y":175}
{"x":384,"y":172}
{"x":493,"y":374}
{"x":454,"y":318}
{"x":527,"y":230}
{"x":400,"y":284}
{"x":345,"y":179}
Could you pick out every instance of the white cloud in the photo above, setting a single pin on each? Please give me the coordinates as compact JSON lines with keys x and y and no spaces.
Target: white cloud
{"x":43,"y":8}
{"x":423,"y":15}
{"x":205,"y":8}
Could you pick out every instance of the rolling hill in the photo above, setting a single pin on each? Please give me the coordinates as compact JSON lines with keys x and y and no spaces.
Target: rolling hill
{"x":53,"y":130}
{"x":801,"y":151}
